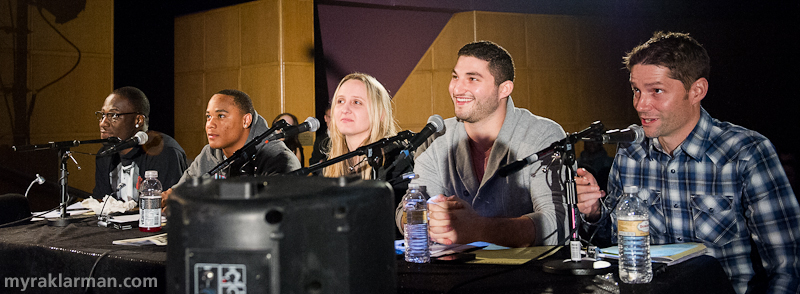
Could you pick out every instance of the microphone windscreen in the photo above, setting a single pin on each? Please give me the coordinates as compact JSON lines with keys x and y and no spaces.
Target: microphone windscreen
{"x":142,"y":137}
{"x":639,"y":133}
{"x":313,"y":124}
{"x":437,"y":121}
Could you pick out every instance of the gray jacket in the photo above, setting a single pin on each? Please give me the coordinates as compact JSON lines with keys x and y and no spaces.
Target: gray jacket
{"x":445,"y":167}
{"x":271,"y":158}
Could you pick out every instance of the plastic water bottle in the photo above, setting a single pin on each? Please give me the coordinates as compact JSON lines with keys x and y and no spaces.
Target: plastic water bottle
{"x":633,"y":233}
{"x":150,"y":203}
{"x":415,"y":210}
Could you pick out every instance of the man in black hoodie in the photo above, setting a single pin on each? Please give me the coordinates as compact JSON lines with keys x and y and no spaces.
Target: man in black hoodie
{"x":231,"y":122}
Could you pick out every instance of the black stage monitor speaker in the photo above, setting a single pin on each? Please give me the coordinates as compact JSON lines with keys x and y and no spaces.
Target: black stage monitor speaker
{"x":281,"y":234}
{"x":13,"y":207}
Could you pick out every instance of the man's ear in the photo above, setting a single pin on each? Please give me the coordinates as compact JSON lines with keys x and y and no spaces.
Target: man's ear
{"x":247,"y":120}
{"x":139,"y":120}
{"x":505,"y":89}
{"x":698,"y":90}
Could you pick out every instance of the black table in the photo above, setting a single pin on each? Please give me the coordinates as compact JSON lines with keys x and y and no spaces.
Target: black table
{"x":36,"y":250}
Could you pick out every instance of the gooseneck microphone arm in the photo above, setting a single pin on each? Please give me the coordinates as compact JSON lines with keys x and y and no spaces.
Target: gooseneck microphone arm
{"x":373,"y":152}
{"x":248,"y":151}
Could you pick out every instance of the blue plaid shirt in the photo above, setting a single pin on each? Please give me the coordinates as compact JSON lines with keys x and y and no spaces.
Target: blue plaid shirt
{"x":725,"y":187}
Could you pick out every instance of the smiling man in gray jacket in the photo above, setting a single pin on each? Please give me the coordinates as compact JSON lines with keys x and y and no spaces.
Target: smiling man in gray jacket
{"x":470,"y":202}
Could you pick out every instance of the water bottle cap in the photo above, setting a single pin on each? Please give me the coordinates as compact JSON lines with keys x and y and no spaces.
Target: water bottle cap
{"x":630,"y":189}
{"x":151,"y":174}
{"x":413,"y":186}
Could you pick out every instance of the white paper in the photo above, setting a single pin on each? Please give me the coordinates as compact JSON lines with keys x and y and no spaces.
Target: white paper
{"x":74,"y":209}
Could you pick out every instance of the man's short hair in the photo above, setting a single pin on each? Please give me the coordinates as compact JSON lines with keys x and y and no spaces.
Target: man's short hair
{"x":241,"y":100}
{"x":686,"y":59}
{"x":501,"y":66}
{"x":137,"y":99}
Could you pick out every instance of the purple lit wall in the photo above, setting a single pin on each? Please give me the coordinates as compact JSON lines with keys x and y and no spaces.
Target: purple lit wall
{"x":381,"y":42}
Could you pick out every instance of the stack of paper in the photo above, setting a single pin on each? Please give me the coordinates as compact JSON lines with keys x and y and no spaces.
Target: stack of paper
{"x":667,"y":253}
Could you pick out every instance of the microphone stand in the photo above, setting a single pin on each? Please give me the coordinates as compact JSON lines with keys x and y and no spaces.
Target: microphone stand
{"x":575,"y":265}
{"x":248,"y":151}
{"x":63,"y":154}
{"x":372,"y":151}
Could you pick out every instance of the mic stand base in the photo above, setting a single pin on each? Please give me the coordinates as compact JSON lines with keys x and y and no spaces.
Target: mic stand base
{"x":61,"y":221}
{"x":575,"y":268}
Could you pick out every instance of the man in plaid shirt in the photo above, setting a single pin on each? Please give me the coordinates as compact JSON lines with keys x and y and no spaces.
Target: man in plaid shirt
{"x":704,"y":180}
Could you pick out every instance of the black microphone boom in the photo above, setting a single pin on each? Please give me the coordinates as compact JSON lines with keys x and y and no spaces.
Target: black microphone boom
{"x":63,"y":144}
{"x":310,"y":125}
{"x":140,"y":138}
{"x":515,"y":166}
{"x":435,"y":125}
{"x":363,"y":150}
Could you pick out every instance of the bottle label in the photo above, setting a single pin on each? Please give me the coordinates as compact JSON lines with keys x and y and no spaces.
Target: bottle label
{"x":150,"y":211}
{"x":633,"y":228}
{"x":416,"y":217}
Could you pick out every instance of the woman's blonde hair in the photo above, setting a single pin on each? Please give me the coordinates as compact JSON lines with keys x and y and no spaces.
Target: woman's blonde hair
{"x":381,"y":121}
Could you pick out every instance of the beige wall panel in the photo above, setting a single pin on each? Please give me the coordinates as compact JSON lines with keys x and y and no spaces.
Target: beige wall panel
{"x":455,"y":34}
{"x":65,"y":110}
{"x":260,"y":32}
{"x":552,"y":41}
{"x":222,"y":38}
{"x":552,"y":90}
{"x":262,"y":83}
{"x":413,"y":103}
{"x":6,"y":57}
{"x":442,"y":103}
{"x":218,"y":80}
{"x":192,"y":141}
{"x":189,"y":39}
{"x":521,"y":93}
{"x":190,"y":102}
{"x":299,"y":97}
{"x":426,"y":62}
{"x":505,"y":29}
{"x":240,"y":48}
{"x":298,"y":30}
{"x":73,"y":100}
{"x":91,"y":31}
{"x":417,"y":96}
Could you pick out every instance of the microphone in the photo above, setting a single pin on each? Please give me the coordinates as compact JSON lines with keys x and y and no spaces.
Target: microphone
{"x":634,"y":134}
{"x":513,"y":167}
{"x":435,"y":125}
{"x":310,"y":125}
{"x":139,"y":139}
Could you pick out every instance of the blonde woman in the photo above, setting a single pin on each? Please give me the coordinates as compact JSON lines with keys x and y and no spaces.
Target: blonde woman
{"x":361,"y":114}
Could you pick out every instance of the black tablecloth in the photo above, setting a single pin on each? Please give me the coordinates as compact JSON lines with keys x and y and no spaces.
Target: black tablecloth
{"x":36,"y":250}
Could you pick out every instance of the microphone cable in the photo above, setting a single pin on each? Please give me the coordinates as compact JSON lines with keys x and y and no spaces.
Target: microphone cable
{"x":33,"y":216}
